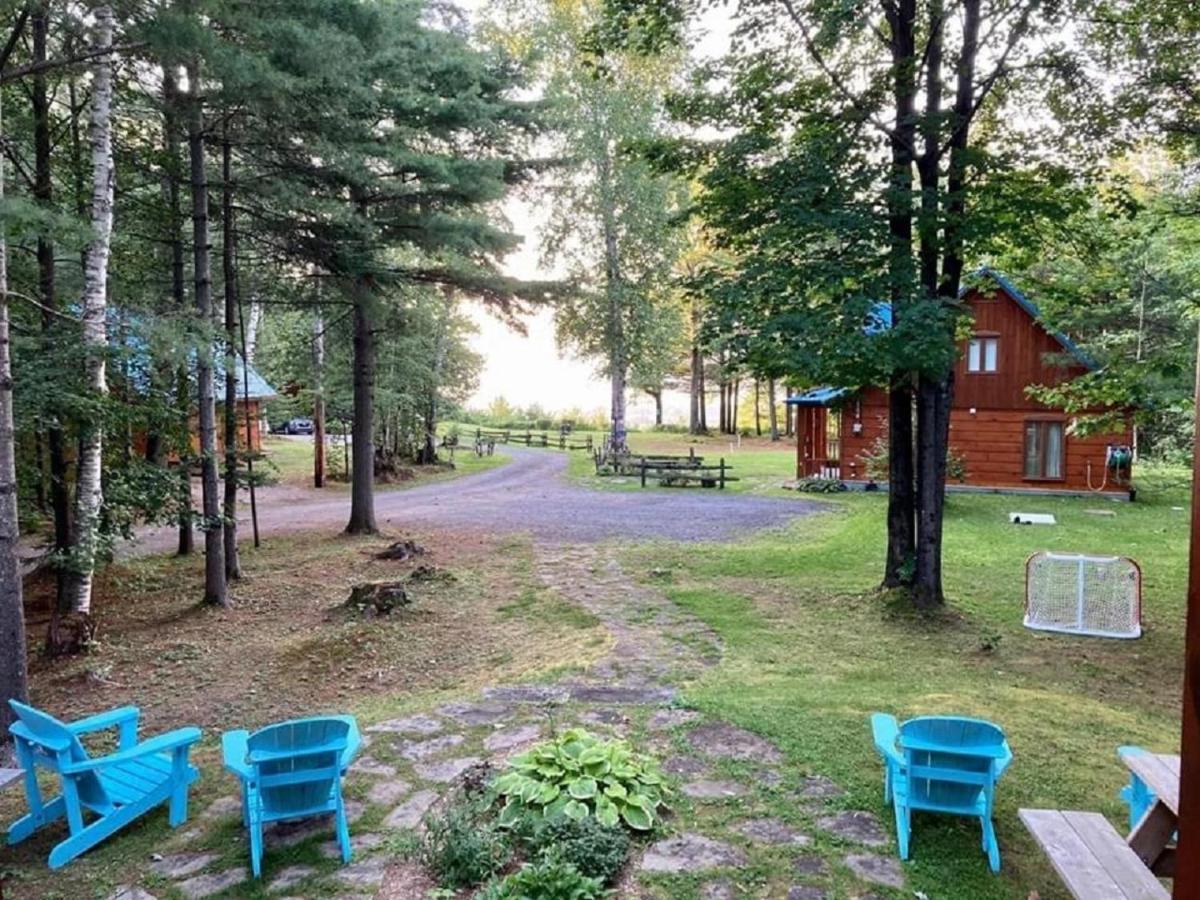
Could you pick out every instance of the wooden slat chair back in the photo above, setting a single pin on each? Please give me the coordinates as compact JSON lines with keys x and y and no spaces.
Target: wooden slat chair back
{"x":942,"y":764}
{"x":111,"y":790}
{"x":296,"y":771}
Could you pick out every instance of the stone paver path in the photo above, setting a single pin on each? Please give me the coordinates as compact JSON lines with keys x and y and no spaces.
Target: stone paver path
{"x":740,"y":806}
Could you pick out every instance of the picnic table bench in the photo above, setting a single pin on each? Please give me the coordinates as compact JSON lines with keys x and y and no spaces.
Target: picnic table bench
{"x":1091,"y":857}
{"x":680,"y":472}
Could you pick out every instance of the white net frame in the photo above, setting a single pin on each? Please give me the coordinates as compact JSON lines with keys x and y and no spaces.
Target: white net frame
{"x":1074,"y":593}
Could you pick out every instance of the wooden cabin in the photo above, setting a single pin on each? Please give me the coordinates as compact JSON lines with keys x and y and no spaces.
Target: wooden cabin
{"x":1004,"y":440}
{"x":250,"y":416}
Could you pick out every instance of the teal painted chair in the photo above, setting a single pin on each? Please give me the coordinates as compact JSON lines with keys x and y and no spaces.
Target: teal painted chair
{"x":292,"y":770}
{"x":99,"y":796}
{"x":942,"y":764}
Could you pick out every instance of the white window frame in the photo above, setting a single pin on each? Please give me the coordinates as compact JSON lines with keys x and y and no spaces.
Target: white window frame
{"x":983,"y":355}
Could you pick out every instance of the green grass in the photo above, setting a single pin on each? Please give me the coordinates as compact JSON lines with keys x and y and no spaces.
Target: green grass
{"x":811,"y":650}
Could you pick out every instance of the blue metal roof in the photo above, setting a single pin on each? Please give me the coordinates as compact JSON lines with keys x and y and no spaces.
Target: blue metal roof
{"x":821,"y":396}
{"x":256,"y":386}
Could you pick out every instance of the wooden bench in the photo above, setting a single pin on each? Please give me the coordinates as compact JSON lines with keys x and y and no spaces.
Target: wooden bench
{"x":10,"y":776}
{"x":1091,"y":857}
{"x":675,"y":472}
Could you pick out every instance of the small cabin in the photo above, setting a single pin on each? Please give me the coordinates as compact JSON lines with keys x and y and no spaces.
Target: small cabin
{"x":1000,"y":438}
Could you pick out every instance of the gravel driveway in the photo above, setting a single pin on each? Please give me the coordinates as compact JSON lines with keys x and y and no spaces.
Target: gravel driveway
{"x":529,"y":494}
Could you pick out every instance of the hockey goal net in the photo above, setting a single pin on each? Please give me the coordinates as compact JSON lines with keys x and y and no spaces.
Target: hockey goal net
{"x":1078,"y":594}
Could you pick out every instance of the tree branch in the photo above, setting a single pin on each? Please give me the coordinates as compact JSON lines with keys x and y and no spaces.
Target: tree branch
{"x":87,"y":56}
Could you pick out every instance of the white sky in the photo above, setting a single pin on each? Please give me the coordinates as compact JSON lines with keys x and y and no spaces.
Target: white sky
{"x":529,"y":369}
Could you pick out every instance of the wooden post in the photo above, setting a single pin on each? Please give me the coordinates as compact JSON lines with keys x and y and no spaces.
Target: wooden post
{"x":1187,"y":857}
{"x":722,"y":482}
{"x":643,"y":471}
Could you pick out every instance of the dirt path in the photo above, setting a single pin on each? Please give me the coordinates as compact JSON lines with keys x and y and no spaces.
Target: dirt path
{"x":529,"y":494}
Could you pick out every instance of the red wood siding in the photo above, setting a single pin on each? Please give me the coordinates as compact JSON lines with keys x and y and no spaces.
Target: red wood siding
{"x":987,"y":423}
{"x":1027,"y":355}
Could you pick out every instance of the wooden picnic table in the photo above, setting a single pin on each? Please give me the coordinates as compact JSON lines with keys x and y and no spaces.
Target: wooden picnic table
{"x":1152,"y":836}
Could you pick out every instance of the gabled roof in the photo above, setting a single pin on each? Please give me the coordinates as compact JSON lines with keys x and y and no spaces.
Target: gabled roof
{"x":1080,"y":355}
{"x":879,"y":319}
{"x":250,"y":383}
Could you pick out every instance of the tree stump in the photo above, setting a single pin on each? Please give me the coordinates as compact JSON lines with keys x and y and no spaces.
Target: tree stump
{"x":401,"y":551}
{"x":377,"y":598}
{"x":70,"y":634}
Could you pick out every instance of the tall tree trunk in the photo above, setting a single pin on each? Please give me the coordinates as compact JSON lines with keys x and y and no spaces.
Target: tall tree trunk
{"x":734,"y":390}
{"x":773,"y":413}
{"x":936,"y":395}
{"x":703,"y":399}
{"x":43,"y":191}
{"x":757,"y":408}
{"x":723,"y":406}
{"x":233,"y":567}
{"x":362,"y":493}
{"x":183,"y":389}
{"x":618,"y":360}
{"x":658,"y":406}
{"x":215,"y":591}
{"x":899,"y":567}
{"x":319,"y":401}
{"x":252,"y":326}
{"x":89,"y":494}
{"x":14,"y":683}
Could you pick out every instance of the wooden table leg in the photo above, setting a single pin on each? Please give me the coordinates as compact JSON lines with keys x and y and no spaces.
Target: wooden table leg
{"x":1151,"y":836}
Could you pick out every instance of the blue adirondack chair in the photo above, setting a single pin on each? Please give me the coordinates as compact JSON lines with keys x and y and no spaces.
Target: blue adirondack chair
{"x":116,"y":789}
{"x":942,"y":764}
{"x":292,"y":770}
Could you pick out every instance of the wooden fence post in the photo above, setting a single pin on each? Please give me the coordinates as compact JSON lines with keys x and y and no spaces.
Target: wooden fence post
{"x":722,"y":482}
{"x":643,"y":471}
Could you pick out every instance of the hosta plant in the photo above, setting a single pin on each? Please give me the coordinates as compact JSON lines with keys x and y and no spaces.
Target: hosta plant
{"x":578,"y":775}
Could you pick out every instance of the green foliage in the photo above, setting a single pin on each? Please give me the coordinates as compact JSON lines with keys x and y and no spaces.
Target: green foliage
{"x":596,"y":850}
{"x":820,"y":486}
{"x":579,"y":775}
{"x":461,"y":847}
{"x":549,"y":880}
{"x":875,"y":461}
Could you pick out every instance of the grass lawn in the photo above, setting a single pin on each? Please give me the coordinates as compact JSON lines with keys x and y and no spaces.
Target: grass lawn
{"x":811,"y":651}
{"x":283,"y":650}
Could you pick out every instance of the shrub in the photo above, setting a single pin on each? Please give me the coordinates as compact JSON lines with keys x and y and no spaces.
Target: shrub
{"x":461,"y":848}
{"x":596,"y":850}
{"x":551,"y":880}
{"x":577,"y":775}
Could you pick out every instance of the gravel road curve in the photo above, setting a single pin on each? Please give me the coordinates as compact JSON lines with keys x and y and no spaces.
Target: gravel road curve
{"x":529,"y":494}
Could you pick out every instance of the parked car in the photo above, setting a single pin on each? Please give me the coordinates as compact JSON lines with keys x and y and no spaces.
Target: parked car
{"x":298,"y":426}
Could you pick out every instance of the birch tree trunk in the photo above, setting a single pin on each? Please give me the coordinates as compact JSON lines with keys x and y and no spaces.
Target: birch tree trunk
{"x":233,"y":567}
{"x":14,"y":683}
{"x":252,"y":325}
{"x":214,"y":551}
{"x":89,"y":494}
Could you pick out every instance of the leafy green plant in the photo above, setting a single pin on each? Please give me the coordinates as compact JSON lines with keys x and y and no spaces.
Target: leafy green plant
{"x":577,"y":775}
{"x":550,"y":880}
{"x":596,"y":850}
{"x":461,"y":847}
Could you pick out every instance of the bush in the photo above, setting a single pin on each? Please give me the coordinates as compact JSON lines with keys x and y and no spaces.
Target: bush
{"x":551,"y":880}
{"x":577,"y":775}
{"x":597,"y":851}
{"x":461,"y":848}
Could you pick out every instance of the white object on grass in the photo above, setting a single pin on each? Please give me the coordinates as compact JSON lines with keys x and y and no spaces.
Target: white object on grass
{"x":1078,"y":594}
{"x":1032,"y":519}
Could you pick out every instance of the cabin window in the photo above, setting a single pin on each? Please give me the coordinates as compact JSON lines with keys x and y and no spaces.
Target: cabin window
{"x":983,"y":354}
{"x":1044,"y":450}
